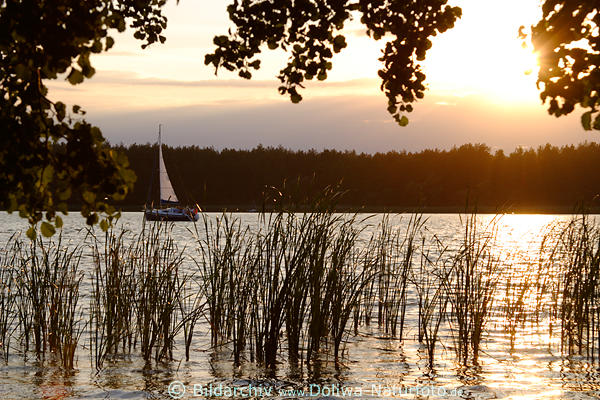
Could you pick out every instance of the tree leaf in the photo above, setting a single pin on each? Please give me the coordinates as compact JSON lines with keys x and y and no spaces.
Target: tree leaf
{"x":75,"y":76}
{"x":104,"y":225}
{"x":596,"y":125}
{"x":31,"y":233}
{"x":65,"y":194}
{"x":47,"y":229}
{"x":61,"y":110}
{"x":88,"y":196}
{"x":47,"y":175}
{"x":296,"y":98}
{"x":110,"y":42}
{"x":586,"y":120}
{"x":339,"y":42}
{"x":92,"y":219}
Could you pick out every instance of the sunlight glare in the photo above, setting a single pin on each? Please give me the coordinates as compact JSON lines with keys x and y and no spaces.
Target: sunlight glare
{"x":483,"y":54}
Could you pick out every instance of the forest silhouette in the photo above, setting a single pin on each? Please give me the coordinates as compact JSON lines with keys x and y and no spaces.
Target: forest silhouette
{"x":546,"y":179}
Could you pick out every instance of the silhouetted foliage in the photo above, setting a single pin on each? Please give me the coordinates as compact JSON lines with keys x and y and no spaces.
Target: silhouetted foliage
{"x":49,"y":155}
{"x":309,"y":31}
{"x":566,"y":38}
{"x":523,"y":180}
{"x":568,"y":43}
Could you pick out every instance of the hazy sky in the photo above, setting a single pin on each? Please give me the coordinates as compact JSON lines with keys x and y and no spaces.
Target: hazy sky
{"x":478,"y":90}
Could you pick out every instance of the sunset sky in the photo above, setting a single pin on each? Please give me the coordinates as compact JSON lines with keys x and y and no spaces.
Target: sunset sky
{"x":478,"y":90}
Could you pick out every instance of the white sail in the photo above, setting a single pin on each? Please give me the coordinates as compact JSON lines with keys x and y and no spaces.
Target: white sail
{"x":167,"y":194}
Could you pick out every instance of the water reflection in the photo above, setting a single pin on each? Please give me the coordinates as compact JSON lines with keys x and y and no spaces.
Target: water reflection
{"x":521,"y":357}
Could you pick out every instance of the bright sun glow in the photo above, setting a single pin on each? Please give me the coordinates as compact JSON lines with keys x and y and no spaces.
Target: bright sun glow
{"x":483,"y":54}
{"x":522,"y":230}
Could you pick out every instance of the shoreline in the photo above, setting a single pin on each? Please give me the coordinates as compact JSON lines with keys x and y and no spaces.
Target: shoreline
{"x":250,"y":208}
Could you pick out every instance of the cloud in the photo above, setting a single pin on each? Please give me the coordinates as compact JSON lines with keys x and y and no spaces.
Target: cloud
{"x":444,"y":103}
{"x":123,"y":53}
{"x":346,"y":123}
{"x":128,"y":78}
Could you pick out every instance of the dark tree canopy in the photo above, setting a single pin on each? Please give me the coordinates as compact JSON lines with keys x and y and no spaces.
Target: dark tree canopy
{"x":568,"y":41}
{"x":49,"y":154}
{"x":309,"y":31}
{"x":546,"y":179}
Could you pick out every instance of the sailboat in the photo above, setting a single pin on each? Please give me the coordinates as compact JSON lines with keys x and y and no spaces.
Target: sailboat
{"x":169,"y":210}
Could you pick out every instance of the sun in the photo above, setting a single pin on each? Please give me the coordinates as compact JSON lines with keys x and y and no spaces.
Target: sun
{"x":483,"y":54}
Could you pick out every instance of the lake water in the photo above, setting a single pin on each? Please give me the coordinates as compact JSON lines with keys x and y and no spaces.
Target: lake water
{"x":373,"y":365}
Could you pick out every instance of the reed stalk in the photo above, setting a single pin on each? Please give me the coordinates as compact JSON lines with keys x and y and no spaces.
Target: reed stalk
{"x":8,"y":295}
{"x":156,"y":261}
{"x":431,"y":282}
{"x":113,"y":297}
{"x":472,"y":286}
{"x":49,"y":280}
{"x":578,"y":307}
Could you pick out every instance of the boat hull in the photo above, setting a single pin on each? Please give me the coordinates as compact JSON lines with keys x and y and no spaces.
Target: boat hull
{"x":172,"y":214}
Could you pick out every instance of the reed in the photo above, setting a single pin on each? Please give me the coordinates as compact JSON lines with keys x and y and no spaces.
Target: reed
{"x":515,"y":307}
{"x":297,"y":279}
{"x":388,"y":248}
{"x":396,"y":252}
{"x":472,"y":285}
{"x":139,"y":298}
{"x":33,"y":281}
{"x":349,"y":274}
{"x":297,"y":267}
{"x":24,"y":315}
{"x":578,"y":307}
{"x":191,"y":307}
{"x":8,"y":294}
{"x":431,"y":282}
{"x":547,"y":296}
{"x":157,"y":261}
{"x":113,"y":297}
{"x":49,"y":280}
{"x":219,"y":248}
{"x":293,"y":284}
{"x":270,"y":288}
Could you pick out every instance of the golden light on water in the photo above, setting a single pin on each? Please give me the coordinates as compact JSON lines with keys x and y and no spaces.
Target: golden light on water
{"x":513,"y":227}
{"x":518,"y":238}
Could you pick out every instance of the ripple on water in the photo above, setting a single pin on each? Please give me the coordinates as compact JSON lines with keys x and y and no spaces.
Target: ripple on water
{"x":531,"y":369}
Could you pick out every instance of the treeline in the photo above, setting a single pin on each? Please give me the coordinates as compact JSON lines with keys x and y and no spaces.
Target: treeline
{"x":548,"y":178}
